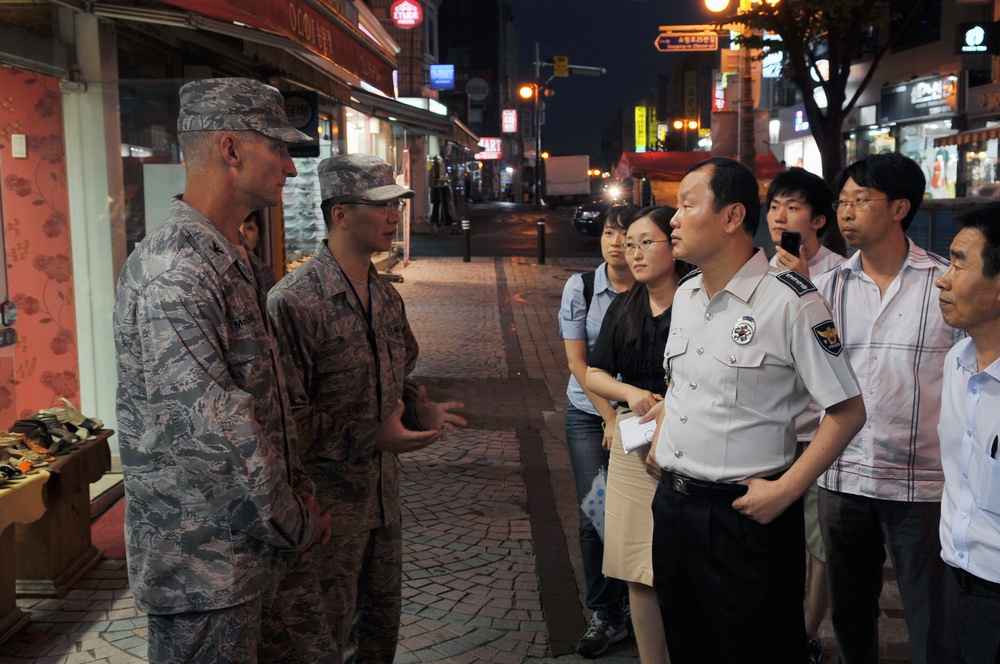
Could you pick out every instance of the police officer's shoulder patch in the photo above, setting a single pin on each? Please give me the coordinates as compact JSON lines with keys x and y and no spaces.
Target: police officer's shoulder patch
{"x":796,"y":282}
{"x":828,"y":337}
{"x":690,"y":275}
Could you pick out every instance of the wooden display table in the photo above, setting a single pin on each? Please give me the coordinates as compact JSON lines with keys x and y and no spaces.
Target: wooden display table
{"x":55,"y":551}
{"x":20,"y":502}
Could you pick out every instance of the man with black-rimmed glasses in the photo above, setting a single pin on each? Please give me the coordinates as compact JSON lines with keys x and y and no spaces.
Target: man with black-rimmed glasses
{"x":348,"y":352}
{"x":885,"y":488}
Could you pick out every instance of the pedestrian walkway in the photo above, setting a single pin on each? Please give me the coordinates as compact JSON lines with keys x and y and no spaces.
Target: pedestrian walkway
{"x":491,"y":565}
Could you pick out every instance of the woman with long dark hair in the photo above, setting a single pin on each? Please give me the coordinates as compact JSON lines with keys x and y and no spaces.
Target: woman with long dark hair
{"x":630,"y":345}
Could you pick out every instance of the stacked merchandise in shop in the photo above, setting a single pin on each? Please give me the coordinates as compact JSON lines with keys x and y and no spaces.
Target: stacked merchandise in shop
{"x":34,"y":442}
{"x":303,"y":220}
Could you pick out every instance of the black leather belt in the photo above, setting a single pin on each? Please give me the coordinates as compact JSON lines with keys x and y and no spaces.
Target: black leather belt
{"x":972,"y":583}
{"x":691,"y":487}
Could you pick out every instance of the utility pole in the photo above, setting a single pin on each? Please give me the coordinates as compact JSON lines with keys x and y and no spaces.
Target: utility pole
{"x":537,"y":89}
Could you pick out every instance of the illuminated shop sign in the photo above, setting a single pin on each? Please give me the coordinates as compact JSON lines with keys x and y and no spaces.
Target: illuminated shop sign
{"x":936,"y":95}
{"x":977,"y":38}
{"x":406,"y":13}
{"x":442,"y":77}
{"x":492,"y":148}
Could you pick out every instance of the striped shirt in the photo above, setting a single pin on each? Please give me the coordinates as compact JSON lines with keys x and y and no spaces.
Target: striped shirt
{"x":896,"y":345}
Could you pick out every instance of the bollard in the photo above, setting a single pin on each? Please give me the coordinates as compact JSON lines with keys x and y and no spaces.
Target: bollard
{"x":541,"y":242}
{"x":467,"y":240}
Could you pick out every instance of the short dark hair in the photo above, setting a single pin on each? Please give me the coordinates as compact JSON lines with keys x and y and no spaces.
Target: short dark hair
{"x":896,"y":176}
{"x":619,"y":216}
{"x":814,"y":189}
{"x":986,"y":220}
{"x":732,"y":182}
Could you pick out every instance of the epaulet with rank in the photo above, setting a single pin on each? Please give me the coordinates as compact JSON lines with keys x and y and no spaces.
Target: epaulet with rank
{"x":796,"y":282}
{"x":690,"y":275}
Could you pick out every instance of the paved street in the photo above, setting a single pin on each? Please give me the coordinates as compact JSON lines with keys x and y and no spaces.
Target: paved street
{"x":492,"y":570}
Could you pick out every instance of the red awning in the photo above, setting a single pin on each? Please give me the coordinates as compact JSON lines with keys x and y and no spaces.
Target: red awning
{"x":325,"y":33}
{"x":672,"y":166}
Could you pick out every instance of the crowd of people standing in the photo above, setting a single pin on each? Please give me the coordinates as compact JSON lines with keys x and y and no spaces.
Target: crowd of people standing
{"x":843,"y":407}
{"x":811,"y":414}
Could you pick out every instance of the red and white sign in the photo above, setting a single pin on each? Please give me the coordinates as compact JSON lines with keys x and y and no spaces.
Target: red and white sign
{"x":492,"y":149}
{"x":508,"y":121}
{"x":406,"y":13}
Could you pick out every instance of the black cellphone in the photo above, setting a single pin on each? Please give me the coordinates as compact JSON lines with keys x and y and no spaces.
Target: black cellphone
{"x":790,"y":241}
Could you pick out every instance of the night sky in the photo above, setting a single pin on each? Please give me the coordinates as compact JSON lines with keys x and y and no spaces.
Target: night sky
{"x":615,"y":34}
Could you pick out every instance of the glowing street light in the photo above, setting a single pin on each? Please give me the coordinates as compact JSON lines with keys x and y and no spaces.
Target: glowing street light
{"x":747,"y":149}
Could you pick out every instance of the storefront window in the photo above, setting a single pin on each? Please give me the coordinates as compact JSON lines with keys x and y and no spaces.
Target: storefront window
{"x":304,"y":225}
{"x":940,"y":165}
{"x":981,"y":168}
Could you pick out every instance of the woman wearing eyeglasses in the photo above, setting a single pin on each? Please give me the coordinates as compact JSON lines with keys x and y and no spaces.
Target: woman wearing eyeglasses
{"x":631,"y":345}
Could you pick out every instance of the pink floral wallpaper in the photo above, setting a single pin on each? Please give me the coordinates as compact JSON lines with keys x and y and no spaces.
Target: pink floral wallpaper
{"x":34,"y":203}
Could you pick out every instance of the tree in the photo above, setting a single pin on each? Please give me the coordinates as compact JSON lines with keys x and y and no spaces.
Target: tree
{"x":811,"y":31}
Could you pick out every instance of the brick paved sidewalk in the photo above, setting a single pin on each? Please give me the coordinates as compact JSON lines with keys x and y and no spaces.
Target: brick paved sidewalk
{"x":491,"y":565}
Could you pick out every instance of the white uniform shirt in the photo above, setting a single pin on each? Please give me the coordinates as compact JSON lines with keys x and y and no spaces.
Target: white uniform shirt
{"x":729,"y":410}
{"x":807,"y":423}
{"x":970,"y":422}
{"x":896,"y":345}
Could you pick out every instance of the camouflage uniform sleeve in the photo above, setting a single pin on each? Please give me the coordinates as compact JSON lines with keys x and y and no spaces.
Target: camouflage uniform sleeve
{"x":220,"y":450}
{"x":411,"y":388}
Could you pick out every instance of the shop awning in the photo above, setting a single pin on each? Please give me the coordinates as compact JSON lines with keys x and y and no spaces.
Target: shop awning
{"x":411,"y":117}
{"x":465,"y":136}
{"x":309,"y":24}
{"x":967,"y":137}
{"x":672,"y":166}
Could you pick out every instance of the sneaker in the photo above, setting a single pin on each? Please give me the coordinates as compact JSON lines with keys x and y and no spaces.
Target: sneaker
{"x":600,"y":634}
{"x":814,"y":651}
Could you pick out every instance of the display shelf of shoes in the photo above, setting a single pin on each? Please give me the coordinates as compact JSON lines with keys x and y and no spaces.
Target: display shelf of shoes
{"x":54,"y":551}
{"x":21,"y":502}
{"x":304,"y":225}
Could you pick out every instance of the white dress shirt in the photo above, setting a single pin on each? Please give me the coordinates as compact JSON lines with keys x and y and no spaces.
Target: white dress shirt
{"x":970,"y":422}
{"x":897,"y":345}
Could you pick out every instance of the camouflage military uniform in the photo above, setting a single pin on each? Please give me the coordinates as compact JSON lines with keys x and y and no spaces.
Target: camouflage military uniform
{"x":345,"y":377}
{"x":213,"y":509}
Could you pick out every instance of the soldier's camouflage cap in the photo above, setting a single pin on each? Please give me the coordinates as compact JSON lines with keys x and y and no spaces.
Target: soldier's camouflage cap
{"x":236,"y":104}
{"x":361,"y":176}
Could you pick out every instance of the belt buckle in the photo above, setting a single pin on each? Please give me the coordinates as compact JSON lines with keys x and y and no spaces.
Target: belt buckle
{"x":680,"y":485}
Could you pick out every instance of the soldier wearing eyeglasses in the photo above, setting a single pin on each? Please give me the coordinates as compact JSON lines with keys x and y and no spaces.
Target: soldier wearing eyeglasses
{"x":884,"y":490}
{"x":348,"y":352}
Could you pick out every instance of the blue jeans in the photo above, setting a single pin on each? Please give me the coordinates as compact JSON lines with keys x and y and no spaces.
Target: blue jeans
{"x":583,"y":437}
{"x":856,"y":530}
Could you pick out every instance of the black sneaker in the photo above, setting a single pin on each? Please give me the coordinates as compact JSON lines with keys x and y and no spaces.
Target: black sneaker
{"x":600,"y":634}
{"x":814,"y":651}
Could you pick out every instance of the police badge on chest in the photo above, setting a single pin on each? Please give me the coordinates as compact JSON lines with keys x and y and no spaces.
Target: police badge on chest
{"x":743,"y":330}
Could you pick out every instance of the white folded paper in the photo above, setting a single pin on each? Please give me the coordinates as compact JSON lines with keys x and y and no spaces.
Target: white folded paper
{"x":635,"y":435}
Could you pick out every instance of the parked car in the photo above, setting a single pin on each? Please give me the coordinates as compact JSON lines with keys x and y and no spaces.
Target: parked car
{"x":589,"y":217}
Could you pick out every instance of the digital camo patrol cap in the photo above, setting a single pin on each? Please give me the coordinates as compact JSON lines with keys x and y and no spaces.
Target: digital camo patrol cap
{"x":363,"y":176}
{"x":235,"y":104}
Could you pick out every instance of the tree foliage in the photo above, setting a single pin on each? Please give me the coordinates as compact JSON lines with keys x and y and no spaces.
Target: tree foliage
{"x":816,"y":30}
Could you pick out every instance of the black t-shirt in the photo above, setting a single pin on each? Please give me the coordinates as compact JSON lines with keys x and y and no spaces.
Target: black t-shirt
{"x":640,"y":367}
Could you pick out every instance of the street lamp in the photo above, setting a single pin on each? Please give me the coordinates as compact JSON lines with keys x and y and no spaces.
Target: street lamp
{"x":526,"y":92}
{"x":747,"y":149}
{"x":686,"y":125}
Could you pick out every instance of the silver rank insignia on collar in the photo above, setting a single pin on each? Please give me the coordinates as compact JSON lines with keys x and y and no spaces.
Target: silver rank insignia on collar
{"x":743,"y":330}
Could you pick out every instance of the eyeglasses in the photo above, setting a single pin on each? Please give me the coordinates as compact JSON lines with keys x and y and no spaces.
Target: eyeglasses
{"x":858,"y":204}
{"x":629,"y":247}
{"x":387,"y":205}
